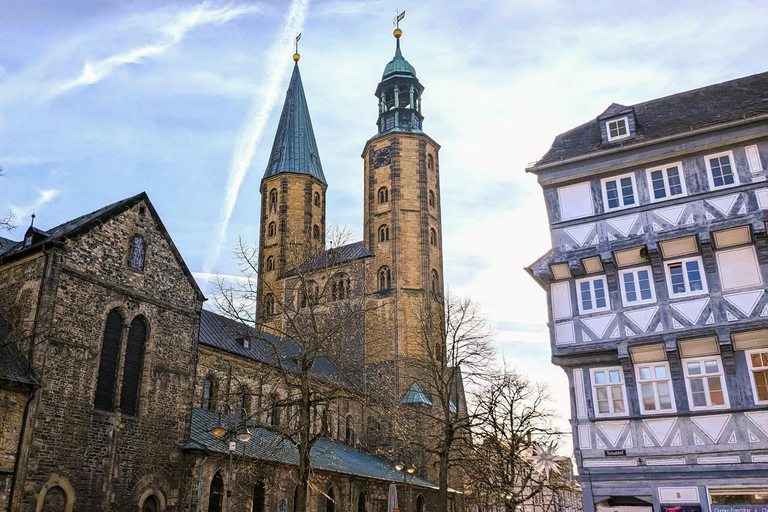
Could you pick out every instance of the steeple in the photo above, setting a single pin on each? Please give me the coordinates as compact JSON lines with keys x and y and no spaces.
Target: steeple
{"x":294,"y":149}
{"x":399,"y":95}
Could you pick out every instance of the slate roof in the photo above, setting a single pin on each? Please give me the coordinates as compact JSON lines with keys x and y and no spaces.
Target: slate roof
{"x":676,"y":114}
{"x":85,"y":222}
{"x":332,"y":257}
{"x":225,"y":334}
{"x":327,"y":455}
{"x":5,"y":244}
{"x":295,"y":149}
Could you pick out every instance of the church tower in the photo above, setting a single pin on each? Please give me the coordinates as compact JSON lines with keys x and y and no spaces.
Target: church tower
{"x":402,"y":224}
{"x":292,"y":200}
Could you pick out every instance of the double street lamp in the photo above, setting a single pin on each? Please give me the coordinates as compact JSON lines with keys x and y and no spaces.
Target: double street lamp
{"x":234,"y":430}
{"x":408,"y":471}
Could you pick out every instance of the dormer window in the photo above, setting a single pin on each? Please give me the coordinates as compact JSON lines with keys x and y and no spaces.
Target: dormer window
{"x":617,"y":129}
{"x":28,"y":241}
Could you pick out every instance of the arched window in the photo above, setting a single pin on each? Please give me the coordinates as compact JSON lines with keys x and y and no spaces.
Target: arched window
{"x":349,"y":432}
{"x":258,"y":497}
{"x":385,"y":279}
{"x":383,"y":233}
{"x":216,"y":495}
{"x":340,"y":287}
{"x":55,"y":499}
{"x":317,"y":198}
{"x":269,"y":304}
{"x":383,"y":195}
{"x":308,"y":294}
{"x":134,"y":357}
{"x":273,"y":196}
{"x":207,"y":403}
{"x":316,"y":232}
{"x":150,"y":504}
{"x":330,"y":501}
{"x":270,"y":264}
{"x":137,"y":253}
{"x":420,"y":503}
{"x":243,"y":400}
{"x":435,"y":282}
{"x":272,"y":229}
{"x":431,"y":199}
{"x":110,"y":353}
{"x":430,"y":163}
{"x":361,"y":502}
{"x":432,"y":236}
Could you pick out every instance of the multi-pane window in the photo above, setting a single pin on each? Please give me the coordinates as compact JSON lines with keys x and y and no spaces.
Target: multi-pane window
{"x":666,"y":182}
{"x":619,"y":192}
{"x":705,"y":382}
{"x":608,"y":391}
{"x":721,"y":170}
{"x":758,"y":367}
{"x":617,"y":129}
{"x":592,"y":294}
{"x":685,"y":277}
{"x":137,"y":253}
{"x":637,"y":286}
{"x":655,"y":388}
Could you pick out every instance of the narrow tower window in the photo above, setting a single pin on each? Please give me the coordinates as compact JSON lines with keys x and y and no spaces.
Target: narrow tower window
{"x":383,"y":233}
{"x":269,"y":304}
{"x":432,"y":236}
{"x":435,"y":282}
{"x":138,"y":252}
{"x":272,"y":229}
{"x":273,"y":196}
{"x":270,"y":264}
{"x":431,"y":199}
{"x":383,"y":195}
{"x":430,"y":163}
{"x":316,"y":232}
{"x":385,"y":279}
{"x":317,"y":198}
{"x":207,"y":402}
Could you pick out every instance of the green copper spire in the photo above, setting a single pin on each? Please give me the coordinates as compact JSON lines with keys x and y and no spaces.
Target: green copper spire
{"x":295,"y":149}
{"x":399,"y":95}
{"x":398,"y":66}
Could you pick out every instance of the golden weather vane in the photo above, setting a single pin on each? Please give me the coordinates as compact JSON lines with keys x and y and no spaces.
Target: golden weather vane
{"x":398,"y":18}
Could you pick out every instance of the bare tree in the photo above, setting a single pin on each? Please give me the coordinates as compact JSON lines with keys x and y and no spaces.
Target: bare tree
{"x":6,"y":223}
{"x":514,"y":461}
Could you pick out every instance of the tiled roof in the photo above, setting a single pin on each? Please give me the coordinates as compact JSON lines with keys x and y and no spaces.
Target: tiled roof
{"x":86,"y":222}
{"x":327,"y":455}
{"x":672,"y":115}
{"x":295,"y":149}
{"x":332,"y":257}
{"x":226,"y":334}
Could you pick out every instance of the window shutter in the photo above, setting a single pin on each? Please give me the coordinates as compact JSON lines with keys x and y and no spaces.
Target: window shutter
{"x":110,"y":351}
{"x":134,"y":355}
{"x":754,"y":159}
{"x":699,"y":347}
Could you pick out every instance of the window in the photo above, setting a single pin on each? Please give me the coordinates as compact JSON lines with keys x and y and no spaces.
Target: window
{"x":383,"y":195}
{"x":721,"y":171}
{"x":431,"y":199}
{"x":269,"y":304}
{"x":308,"y":294}
{"x":608,"y":391}
{"x":270,"y":264}
{"x":349,"y":432}
{"x":637,"y":286}
{"x":385,"y":279}
{"x":134,"y":358}
{"x":575,"y":201}
{"x":705,"y":383}
{"x":666,"y":182}
{"x":383,"y":233}
{"x":340,"y":287}
{"x":430,"y":163}
{"x":272,"y":229}
{"x":432,"y":236}
{"x":617,"y":129}
{"x":317,"y":198}
{"x":654,"y":388}
{"x":137,"y":253}
{"x":242,"y":400}
{"x":753,"y":159}
{"x":330,"y":501}
{"x":684,"y":277}
{"x":273,"y":196}
{"x":758,"y":368}
{"x":216,"y":493}
{"x":738,"y":268}
{"x":592,"y":294}
{"x":207,"y":403}
{"x":435,"y":282}
{"x":316,"y":232}
{"x":619,"y":192}
{"x":108,"y":361}
{"x":273,"y":411}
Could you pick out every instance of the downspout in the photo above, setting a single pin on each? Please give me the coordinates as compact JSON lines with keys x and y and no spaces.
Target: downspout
{"x":200,"y":483}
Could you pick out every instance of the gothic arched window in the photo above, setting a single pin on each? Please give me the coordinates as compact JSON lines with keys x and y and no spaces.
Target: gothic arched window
{"x":207,"y":403}
{"x":270,"y":264}
{"x":269,"y":304}
{"x":383,"y":195}
{"x":134,"y":358}
{"x":272,"y":229}
{"x":349,"y":432}
{"x":385,"y":279}
{"x":420,"y":503}
{"x":138,"y":252}
{"x":383,"y":233}
{"x":316,"y":232}
{"x":317,"y":198}
{"x":330,"y":501}
{"x":108,"y":361}
{"x":273,"y":196}
{"x":435,"y":282}
{"x":308,"y":294}
{"x":340,"y":287}
{"x":432,"y":236}
{"x":431,"y":199}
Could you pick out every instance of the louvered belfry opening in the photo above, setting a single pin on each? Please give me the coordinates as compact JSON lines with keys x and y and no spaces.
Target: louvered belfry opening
{"x":134,"y":356}
{"x":110,"y":353}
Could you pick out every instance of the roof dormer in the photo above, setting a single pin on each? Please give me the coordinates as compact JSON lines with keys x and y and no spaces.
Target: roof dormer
{"x":617,"y":123}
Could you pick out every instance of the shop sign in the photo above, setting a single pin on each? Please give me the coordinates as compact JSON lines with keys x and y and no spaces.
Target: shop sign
{"x":739,"y":508}
{"x":615,"y":453}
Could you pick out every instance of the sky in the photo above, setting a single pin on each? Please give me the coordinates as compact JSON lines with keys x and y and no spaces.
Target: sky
{"x":102,"y":100}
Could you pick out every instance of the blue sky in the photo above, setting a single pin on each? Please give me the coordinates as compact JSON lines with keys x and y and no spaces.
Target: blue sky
{"x":101,"y":100}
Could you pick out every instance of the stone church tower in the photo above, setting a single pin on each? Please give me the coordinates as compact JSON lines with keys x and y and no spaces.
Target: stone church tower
{"x":402,"y":225}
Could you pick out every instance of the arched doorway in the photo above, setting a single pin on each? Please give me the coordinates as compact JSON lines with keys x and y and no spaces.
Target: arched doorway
{"x":361,"y":502}
{"x":216,"y":496}
{"x":55,"y":500}
{"x":150,"y":505}
{"x":258,"y":497}
{"x":420,"y":503}
{"x":330,"y":501}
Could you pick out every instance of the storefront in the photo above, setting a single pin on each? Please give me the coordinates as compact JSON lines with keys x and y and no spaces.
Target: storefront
{"x":739,"y":499}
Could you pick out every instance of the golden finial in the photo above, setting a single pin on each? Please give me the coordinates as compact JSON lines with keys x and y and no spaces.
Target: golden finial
{"x":397,"y":33}
{"x":398,"y":18}
{"x":296,"y":55}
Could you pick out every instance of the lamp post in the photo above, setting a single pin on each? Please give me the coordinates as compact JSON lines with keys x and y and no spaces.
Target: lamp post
{"x":408,"y":470}
{"x":234,"y":434}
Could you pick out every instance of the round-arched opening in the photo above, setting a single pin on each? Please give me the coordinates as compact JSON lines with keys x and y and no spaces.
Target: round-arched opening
{"x":216,"y":494}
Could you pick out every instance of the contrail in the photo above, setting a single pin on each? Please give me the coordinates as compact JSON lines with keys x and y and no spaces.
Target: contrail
{"x":251,"y":132}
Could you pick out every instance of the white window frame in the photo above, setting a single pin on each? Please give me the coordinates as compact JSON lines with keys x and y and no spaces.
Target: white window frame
{"x":752,"y":251}
{"x":688,"y":293}
{"x":664,"y":169}
{"x":608,"y":385}
{"x":704,"y":376}
{"x":748,"y":353}
{"x":639,"y":301}
{"x":710,"y":178}
{"x":591,"y":281}
{"x":618,"y":179}
{"x":560,"y":201}
{"x":625,"y":120}
{"x":654,"y":382}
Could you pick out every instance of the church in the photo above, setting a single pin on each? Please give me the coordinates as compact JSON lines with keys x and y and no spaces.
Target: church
{"x":113,"y":376}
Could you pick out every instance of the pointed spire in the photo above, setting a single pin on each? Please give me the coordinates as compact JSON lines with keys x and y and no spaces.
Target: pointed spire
{"x":295,"y":149}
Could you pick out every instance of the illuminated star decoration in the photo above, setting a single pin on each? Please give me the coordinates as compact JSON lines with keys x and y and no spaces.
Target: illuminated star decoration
{"x":544,"y":459}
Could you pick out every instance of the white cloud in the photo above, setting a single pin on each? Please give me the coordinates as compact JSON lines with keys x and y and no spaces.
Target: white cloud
{"x":43,"y":197}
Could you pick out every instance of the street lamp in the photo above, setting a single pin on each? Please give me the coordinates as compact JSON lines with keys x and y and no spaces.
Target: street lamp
{"x":233,"y":433}
{"x":409,"y":470}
